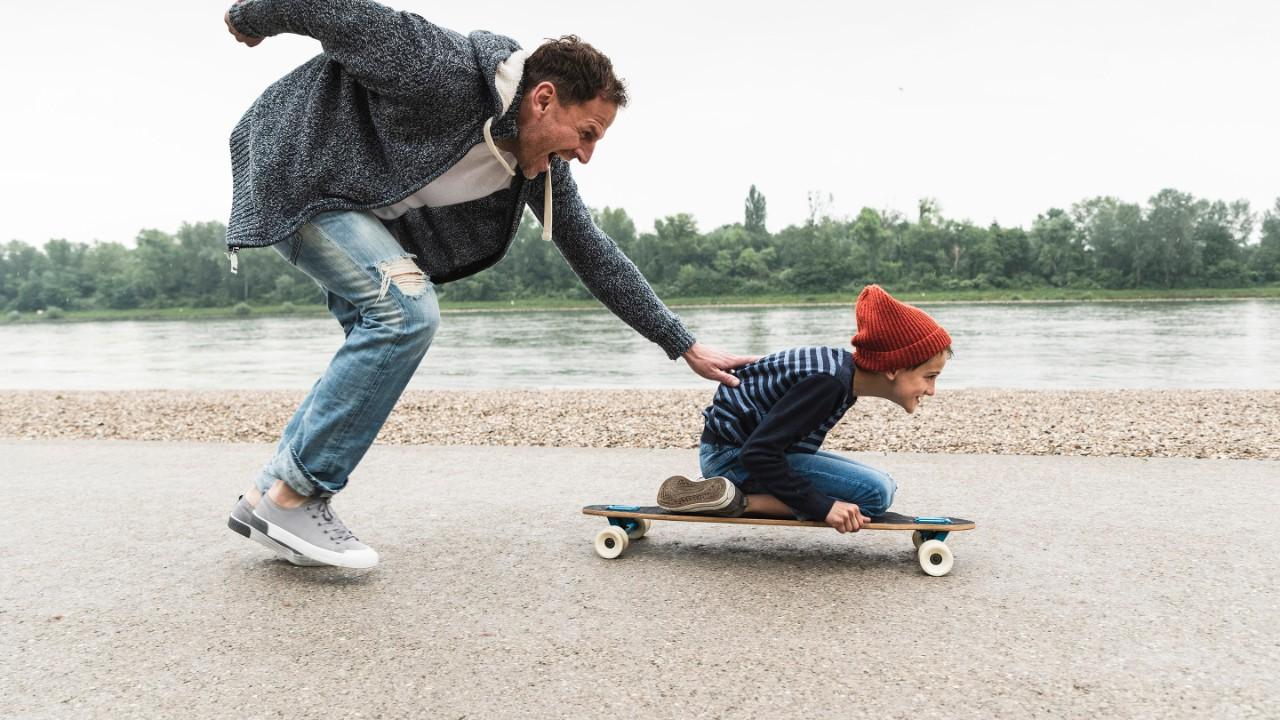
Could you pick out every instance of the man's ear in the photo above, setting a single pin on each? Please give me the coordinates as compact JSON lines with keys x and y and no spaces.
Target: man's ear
{"x":543,"y":93}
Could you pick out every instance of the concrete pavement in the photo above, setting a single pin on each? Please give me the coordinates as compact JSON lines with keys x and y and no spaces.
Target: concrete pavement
{"x":1092,"y":587}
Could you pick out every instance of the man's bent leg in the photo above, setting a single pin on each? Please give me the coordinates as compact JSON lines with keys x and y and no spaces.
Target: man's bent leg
{"x":389,"y":315}
{"x":347,"y":315}
{"x":361,"y":266}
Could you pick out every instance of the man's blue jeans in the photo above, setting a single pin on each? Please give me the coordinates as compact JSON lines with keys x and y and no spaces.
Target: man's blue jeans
{"x":389,"y":313}
{"x":833,"y":475}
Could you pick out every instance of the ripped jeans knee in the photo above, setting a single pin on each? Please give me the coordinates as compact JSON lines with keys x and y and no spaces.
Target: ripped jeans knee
{"x":405,"y":274}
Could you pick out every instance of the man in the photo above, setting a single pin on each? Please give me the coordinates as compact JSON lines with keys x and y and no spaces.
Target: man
{"x":384,"y":166}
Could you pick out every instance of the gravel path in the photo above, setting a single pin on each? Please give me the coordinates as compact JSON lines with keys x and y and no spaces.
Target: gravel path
{"x":1139,"y":423}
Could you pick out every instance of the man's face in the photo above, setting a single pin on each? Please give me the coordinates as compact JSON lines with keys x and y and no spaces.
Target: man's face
{"x":909,"y":386}
{"x":548,"y":127}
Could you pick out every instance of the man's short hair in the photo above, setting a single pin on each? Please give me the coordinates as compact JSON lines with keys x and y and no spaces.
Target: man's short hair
{"x":580,"y":72}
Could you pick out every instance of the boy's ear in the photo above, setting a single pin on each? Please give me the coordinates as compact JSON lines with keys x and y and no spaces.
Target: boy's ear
{"x":891,"y":374}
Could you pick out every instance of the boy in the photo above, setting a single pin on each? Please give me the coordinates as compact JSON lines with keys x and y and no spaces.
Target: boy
{"x":760,"y":440}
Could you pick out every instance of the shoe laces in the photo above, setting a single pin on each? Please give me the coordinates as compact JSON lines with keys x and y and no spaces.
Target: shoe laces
{"x":322,"y":512}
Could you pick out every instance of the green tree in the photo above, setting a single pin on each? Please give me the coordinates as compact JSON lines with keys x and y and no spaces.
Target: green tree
{"x":1221,"y":234}
{"x":755,"y":212}
{"x":1060,"y":257}
{"x":24,"y":266}
{"x":921,"y":253}
{"x":738,"y":265}
{"x":1266,"y":260}
{"x":1171,"y":221}
{"x":66,"y":284}
{"x":206,"y":280}
{"x":928,"y":212}
{"x":158,"y":269}
{"x":870,"y":234}
{"x":111,"y":267}
{"x":674,"y":243}
{"x":818,"y":257}
{"x":1113,"y":233}
{"x":962,"y":240}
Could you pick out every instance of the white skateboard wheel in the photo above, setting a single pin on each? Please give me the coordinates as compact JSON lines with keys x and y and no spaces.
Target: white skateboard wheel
{"x":610,"y":542}
{"x":639,"y":530}
{"x":935,"y":557}
{"x":917,"y":537}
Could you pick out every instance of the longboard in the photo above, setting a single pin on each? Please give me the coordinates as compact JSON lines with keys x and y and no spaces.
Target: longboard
{"x":632,"y":522}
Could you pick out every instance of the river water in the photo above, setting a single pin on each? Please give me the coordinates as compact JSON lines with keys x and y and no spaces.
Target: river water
{"x":1101,"y":345}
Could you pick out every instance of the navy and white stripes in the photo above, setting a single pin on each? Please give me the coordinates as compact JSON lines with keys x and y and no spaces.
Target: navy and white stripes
{"x":735,"y":413}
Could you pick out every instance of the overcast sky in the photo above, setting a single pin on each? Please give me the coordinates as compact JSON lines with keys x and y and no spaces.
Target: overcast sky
{"x":116,"y":115}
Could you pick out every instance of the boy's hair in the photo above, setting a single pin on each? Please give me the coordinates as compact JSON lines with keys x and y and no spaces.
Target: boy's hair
{"x":579,"y":71}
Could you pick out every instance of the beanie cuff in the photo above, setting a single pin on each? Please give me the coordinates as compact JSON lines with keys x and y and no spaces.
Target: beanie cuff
{"x":907,"y":357}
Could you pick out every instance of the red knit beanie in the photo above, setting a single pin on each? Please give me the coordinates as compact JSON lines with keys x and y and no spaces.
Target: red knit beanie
{"x":893,"y":335}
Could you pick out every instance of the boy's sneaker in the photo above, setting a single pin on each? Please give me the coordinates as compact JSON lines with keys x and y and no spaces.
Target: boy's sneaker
{"x":712,"y":496}
{"x":313,"y":530}
{"x":241,"y":521}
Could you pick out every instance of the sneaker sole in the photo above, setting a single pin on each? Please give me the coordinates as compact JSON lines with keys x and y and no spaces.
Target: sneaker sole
{"x":307,"y":550}
{"x":262,"y":539}
{"x":689,"y":496}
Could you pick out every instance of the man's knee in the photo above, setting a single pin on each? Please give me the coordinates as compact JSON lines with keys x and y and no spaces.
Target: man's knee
{"x":404,"y":273}
{"x":413,"y":314}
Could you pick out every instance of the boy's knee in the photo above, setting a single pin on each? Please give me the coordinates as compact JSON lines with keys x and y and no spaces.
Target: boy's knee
{"x":885,"y":490}
{"x":888,"y":489}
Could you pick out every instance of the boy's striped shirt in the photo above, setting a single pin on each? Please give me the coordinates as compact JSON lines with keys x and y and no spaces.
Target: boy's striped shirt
{"x":735,"y":413}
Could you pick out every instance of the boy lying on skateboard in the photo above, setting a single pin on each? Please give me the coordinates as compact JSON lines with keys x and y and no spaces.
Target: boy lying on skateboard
{"x":760,"y":441}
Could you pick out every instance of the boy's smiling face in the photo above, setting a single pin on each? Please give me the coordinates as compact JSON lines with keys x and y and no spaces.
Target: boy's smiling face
{"x":908,"y":386}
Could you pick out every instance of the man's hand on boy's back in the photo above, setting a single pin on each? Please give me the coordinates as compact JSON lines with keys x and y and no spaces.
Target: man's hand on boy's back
{"x":846,"y":517}
{"x":714,"y":365}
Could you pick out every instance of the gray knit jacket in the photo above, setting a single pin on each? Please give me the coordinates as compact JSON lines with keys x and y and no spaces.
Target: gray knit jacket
{"x":391,"y":103}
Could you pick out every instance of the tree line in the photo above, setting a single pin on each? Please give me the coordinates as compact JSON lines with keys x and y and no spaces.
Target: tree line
{"x":1174,"y":240}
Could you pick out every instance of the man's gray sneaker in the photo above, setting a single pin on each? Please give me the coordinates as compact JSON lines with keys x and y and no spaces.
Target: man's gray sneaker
{"x":241,"y":520}
{"x":712,"y":496}
{"x":314,"y":531}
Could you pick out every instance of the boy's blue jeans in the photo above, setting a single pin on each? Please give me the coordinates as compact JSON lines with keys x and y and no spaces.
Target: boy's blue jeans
{"x":389,"y":313}
{"x":833,"y":475}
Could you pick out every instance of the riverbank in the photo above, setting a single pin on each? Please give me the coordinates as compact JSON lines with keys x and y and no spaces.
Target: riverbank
{"x":1033,"y":295}
{"x":1133,"y":423}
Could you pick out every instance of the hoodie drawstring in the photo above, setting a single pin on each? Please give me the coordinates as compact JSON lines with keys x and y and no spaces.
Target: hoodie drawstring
{"x":488,"y":140}
{"x":546,"y":205}
{"x":546,"y":191}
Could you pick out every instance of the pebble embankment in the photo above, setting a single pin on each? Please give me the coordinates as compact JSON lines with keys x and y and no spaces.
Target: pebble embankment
{"x":1135,"y":423}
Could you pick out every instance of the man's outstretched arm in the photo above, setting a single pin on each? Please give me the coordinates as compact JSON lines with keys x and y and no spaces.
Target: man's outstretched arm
{"x":615,"y":281}
{"x":390,"y":52}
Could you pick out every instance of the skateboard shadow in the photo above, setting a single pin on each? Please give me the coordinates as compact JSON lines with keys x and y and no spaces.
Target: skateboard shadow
{"x":758,"y":555}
